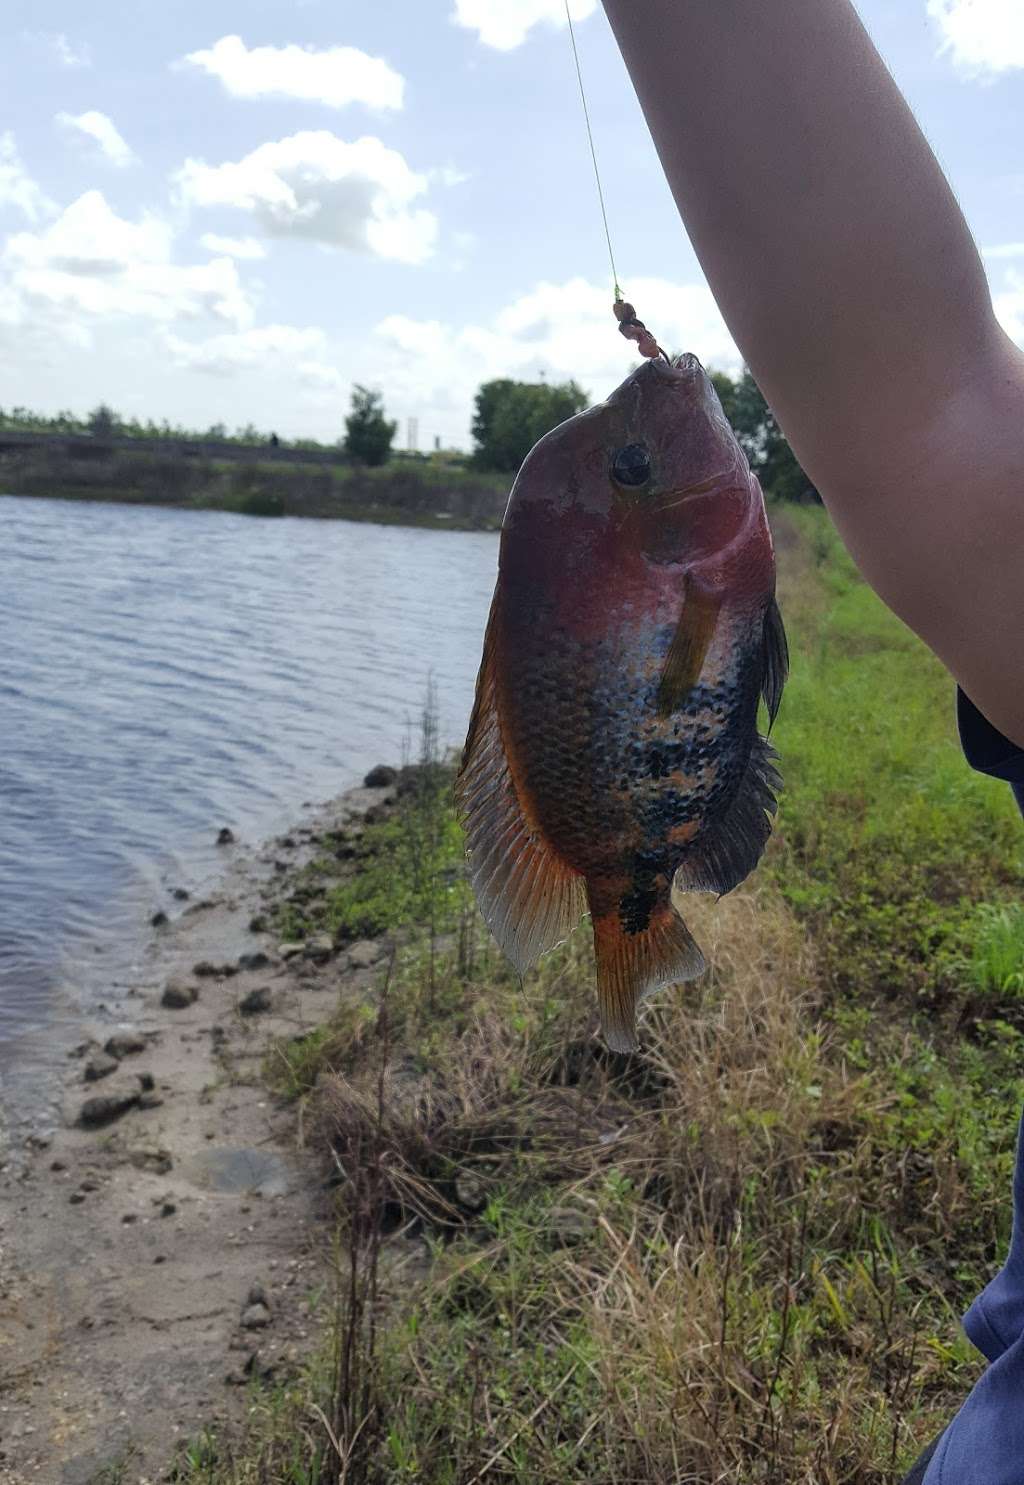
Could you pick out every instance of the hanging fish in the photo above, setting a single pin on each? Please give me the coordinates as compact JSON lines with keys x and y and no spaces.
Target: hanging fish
{"x":613,"y":751}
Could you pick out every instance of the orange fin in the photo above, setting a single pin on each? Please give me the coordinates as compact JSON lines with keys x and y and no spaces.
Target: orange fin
{"x":688,"y":650}
{"x":631,"y":965}
{"x":529,"y":898}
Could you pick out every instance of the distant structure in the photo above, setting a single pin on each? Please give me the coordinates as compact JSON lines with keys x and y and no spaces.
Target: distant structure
{"x":413,"y":435}
{"x":437,"y":443}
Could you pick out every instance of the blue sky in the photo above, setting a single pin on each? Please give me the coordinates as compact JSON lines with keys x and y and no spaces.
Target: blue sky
{"x":228,"y":212}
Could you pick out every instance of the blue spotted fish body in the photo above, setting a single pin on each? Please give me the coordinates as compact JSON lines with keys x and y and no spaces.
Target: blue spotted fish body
{"x":613,"y":755}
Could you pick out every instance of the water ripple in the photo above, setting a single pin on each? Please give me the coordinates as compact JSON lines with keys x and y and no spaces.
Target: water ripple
{"x":165,"y":672}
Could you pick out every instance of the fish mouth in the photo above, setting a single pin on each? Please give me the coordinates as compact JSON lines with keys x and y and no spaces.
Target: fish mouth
{"x":681,"y":368}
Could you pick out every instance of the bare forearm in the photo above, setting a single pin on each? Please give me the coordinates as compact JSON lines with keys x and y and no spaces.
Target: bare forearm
{"x":850,"y":281}
{"x":826,"y":229}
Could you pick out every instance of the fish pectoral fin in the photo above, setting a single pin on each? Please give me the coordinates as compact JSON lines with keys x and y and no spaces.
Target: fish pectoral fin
{"x":775,"y":666}
{"x":529,"y":898}
{"x":724,"y":854}
{"x":632,"y":965}
{"x":688,"y":650}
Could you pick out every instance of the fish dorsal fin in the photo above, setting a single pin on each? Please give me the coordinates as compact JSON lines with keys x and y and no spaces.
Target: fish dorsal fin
{"x":726,"y":853}
{"x":776,"y":661}
{"x":530,"y":899}
{"x":688,"y":650}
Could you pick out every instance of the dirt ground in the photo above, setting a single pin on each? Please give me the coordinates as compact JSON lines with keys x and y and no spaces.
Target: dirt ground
{"x":150,"y":1265}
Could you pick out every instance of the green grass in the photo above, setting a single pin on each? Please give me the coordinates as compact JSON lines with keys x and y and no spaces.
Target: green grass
{"x":886,"y":840}
{"x":738,"y":1255}
{"x":997,"y":961}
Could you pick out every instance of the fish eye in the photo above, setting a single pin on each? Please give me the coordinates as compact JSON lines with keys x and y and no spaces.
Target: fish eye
{"x":631,"y":466}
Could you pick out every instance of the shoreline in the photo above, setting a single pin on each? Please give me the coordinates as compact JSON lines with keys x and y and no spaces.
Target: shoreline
{"x":377,"y":515}
{"x":161,"y":1255}
{"x":266,"y":483}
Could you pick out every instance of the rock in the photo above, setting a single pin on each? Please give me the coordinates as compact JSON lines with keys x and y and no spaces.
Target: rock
{"x":255,"y":1317}
{"x":124,"y":1044}
{"x":257,"y":1295}
{"x":100,"y":1066}
{"x":256,"y":1003}
{"x":319,"y":948}
{"x":470,"y":1191}
{"x":381,"y":777}
{"x":177,"y":997}
{"x":568,"y":1226}
{"x":158,"y":919}
{"x":76,"y":1198}
{"x":168,"y":1209}
{"x":365,"y":953}
{"x":106,"y":1107}
{"x":147,"y":1082}
{"x":287,"y":843}
{"x":129,"y":1218}
{"x":57,"y":1165}
{"x":180,"y":895}
{"x":290,"y":951}
{"x":157,"y":1161}
{"x":150,"y":1101}
{"x":259,"y":960}
{"x":257,"y":924}
{"x":225,"y":837}
{"x":204,"y":970}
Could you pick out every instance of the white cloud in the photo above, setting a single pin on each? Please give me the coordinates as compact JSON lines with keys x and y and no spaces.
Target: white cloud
{"x":505,"y":24}
{"x":1004,"y":250}
{"x":91,"y":266}
{"x":982,"y":35}
{"x":61,"y":49}
{"x":98,"y":127}
{"x":233,"y":247}
{"x":17,"y":188}
{"x":315,"y":185}
{"x":274,"y":348}
{"x":335,"y":77}
{"x":560,"y":330}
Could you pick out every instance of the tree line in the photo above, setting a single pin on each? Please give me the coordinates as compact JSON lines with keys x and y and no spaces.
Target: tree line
{"x":509,"y":417}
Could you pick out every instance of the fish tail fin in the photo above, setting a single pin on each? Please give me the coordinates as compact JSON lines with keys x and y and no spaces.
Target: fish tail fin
{"x":631,"y":965}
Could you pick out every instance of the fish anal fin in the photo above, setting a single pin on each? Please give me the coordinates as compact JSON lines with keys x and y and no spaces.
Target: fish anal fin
{"x":688,"y":650}
{"x":632,"y":965}
{"x":725,"y":853}
{"x":529,"y":898}
{"x":775,"y":666}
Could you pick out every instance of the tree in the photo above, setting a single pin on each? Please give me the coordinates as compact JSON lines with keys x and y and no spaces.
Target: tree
{"x":762,"y":439}
{"x":102,"y":421}
{"x":509,"y":417}
{"x":368,"y":434}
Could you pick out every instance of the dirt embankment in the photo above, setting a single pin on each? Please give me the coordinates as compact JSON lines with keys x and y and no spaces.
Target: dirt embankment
{"x":402,"y":492}
{"x":166,"y":1245}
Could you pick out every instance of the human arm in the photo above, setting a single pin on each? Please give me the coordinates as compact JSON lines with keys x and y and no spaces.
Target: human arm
{"x":850,"y":281}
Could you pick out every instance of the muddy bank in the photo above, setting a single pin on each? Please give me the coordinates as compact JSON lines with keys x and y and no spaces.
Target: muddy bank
{"x":163,"y":1247}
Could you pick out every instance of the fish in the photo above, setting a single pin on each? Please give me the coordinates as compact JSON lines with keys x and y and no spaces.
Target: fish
{"x":613,"y":760}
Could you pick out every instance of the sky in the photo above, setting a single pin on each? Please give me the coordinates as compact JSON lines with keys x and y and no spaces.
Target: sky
{"x":228,"y":212}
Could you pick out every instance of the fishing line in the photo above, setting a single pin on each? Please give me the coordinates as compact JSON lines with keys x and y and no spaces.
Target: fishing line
{"x":593,"y":150}
{"x":629,"y":326}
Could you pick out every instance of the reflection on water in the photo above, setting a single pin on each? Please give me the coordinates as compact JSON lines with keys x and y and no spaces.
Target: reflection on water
{"x":166,"y":672}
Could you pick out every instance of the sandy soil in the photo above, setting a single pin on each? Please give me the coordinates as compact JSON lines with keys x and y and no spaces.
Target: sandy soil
{"x":150,"y":1266}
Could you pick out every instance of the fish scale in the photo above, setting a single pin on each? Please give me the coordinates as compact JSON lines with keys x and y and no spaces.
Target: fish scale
{"x":613,"y":756}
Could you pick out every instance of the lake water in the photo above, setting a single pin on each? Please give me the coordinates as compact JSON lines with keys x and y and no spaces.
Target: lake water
{"x":163,"y":673}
